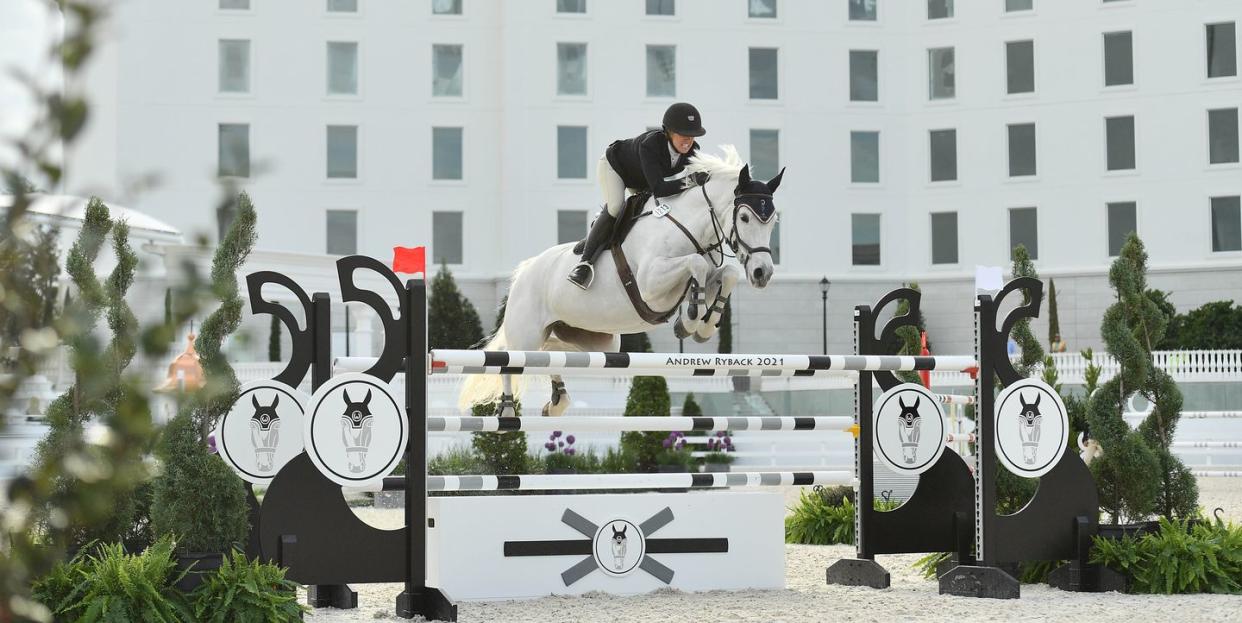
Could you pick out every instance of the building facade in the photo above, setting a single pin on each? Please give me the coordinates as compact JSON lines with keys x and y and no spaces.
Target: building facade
{"x":922,"y":138}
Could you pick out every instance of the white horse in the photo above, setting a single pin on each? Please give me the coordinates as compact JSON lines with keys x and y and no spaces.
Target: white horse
{"x":547,"y":312}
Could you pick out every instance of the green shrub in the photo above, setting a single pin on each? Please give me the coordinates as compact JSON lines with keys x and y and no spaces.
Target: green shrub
{"x":110,"y":585}
{"x":499,"y":453}
{"x":244,"y":591}
{"x":815,"y":522}
{"x":198,"y":498}
{"x":617,"y":461}
{"x":1178,"y":558}
{"x":55,"y":589}
{"x":648,"y":397}
{"x":457,"y":460}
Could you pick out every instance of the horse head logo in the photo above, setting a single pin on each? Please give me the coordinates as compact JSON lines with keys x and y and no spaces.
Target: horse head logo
{"x":264,"y":432}
{"x":618,"y":547}
{"x":356,"y":430}
{"x":909,"y":423}
{"x":1030,"y":420}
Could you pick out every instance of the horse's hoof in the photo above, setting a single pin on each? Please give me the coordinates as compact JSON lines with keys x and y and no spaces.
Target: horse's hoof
{"x":702,"y":338}
{"x":508,"y":411}
{"x":680,"y":332}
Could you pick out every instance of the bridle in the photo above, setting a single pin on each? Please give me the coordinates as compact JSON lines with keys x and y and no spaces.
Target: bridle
{"x":733,"y":240}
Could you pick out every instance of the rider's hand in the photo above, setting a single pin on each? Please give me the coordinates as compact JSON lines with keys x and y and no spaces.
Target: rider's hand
{"x":700,"y":178}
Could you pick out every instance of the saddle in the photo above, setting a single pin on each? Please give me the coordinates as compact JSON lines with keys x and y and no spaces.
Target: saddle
{"x":629,"y":216}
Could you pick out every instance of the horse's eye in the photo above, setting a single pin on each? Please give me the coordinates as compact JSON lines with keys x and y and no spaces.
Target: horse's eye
{"x":745,"y":219}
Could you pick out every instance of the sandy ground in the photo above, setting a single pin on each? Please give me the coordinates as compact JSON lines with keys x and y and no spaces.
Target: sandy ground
{"x":808,"y":598}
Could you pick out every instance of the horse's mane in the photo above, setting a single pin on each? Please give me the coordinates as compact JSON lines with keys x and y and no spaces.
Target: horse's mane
{"x":727,"y":166}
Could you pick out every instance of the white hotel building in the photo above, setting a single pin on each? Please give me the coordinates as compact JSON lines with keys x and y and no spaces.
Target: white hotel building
{"x":922,"y":137}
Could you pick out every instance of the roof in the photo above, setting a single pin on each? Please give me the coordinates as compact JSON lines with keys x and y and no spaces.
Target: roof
{"x":73,"y":208}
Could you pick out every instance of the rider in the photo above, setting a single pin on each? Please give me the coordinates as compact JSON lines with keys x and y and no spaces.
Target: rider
{"x":653,"y":161}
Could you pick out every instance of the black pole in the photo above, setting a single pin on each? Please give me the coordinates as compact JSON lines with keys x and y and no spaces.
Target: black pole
{"x":825,"y":315}
{"x":346,"y":328}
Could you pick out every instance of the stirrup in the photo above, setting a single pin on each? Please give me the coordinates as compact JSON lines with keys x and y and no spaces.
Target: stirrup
{"x":590,"y":275}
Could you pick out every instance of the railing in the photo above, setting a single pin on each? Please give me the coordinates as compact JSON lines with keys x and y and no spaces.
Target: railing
{"x":1185,"y":366}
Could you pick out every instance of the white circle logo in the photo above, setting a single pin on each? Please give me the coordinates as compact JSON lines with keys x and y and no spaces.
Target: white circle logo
{"x":1032,"y":428}
{"x":618,"y":547}
{"x":262,"y":431}
{"x":355,"y":430}
{"x":910,"y":431}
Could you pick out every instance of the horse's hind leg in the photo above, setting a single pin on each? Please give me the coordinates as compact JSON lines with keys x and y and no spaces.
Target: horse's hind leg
{"x":560,"y":398}
{"x":508,"y":406}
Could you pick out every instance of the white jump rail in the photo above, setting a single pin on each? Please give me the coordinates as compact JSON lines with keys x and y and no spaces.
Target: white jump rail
{"x":609,"y":424}
{"x":1201,"y":473}
{"x":561,"y":482}
{"x":1189,"y":415}
{"x":1205,"y":444}
{"x":552,"y":362}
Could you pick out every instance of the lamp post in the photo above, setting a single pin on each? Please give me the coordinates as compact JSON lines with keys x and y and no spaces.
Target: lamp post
{"x":824,"y":284}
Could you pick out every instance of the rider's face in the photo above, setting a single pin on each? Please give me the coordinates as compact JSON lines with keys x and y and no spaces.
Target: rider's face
{"x":680,"y":143}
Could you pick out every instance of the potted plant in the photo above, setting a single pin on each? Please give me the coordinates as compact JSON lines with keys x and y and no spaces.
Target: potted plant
{"x":560,"y":456}
{"x":718,"y":458}
{"x":674,"y":458}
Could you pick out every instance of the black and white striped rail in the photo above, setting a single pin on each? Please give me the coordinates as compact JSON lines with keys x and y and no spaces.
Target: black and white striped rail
{"x":555,"y":362}
{"x":1138,"y":416}
{"x":609,"y":424}
{"x":560,"y":482}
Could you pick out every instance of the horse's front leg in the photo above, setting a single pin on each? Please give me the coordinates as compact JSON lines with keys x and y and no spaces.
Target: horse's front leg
{"x":560,"y":398}
{"x":669,"y":276}
{"x":727,"y":278}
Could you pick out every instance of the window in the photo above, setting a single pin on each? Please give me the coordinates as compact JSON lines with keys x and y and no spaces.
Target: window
{"x":234,"y":66}
{"x":446,"y":7}
{"x":1119,"y":134}
{"x":864,"y":76}
{"x":940,"y":67}
{"x":661,"y":71}
{"x":774,"y":242}
{"x":571,"y":225}
{"x":571,"y":152}
{"x":342,"y":232}
{"x":865,"y":157}
{"x":446,"y":237}
{"x":571,"y":6}
{"x":1019,"y":5}
{"x":571,"y":70}
{"x":446,"y":153}
{"x":1223,"y":136}
{"x":939,"y":9}
{"x":1122,"y":221}
{"x":342,"y":151}
{"x":1023,"y":231}
{"x":1022,"y":149}
{"x":763,"y":77}
{"x":862,"y":10}
{"x":1020,"y":66}
{"x":446,"y":65}
{"x":761,"y":8}
{"x":944,"y":237}
{"x":765,"y":153}
{"x":1118,"y":58}
{"x":1226,"y":224}
{"x":342,"y":6}
{"x":865,"y":234}
{"x":1222,"y":50}
{"x":242,"y":5}
{"x":233,"y":155}
{"x":661,"y":7}
{"x":943,"y":146}
{"x":342,"y":68}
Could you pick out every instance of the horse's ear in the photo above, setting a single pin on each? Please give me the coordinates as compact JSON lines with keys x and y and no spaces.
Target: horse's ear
{"x":254,"y":400}
{"x":744,"y":176}
{"x":776,"y":181}
{"x":275,"y":401}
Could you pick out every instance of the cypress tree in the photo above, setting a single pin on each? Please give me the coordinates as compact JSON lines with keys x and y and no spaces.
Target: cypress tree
{"x":452,"y":321}
{"x":1054,"y":321}
{"x":911,"y":343}
{"x":648,"y":397}
{"x":1138,"y":476}
{"x":635,"y":343}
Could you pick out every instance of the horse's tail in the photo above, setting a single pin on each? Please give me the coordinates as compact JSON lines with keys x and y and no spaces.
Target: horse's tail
{"x":485,"y":388}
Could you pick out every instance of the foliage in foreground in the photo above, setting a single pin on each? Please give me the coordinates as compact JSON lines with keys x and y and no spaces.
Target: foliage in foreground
{"x":247,"y":591}
{"x":1181,"y":557}
{"x":825,"y":516}
{"x":110,"y":585}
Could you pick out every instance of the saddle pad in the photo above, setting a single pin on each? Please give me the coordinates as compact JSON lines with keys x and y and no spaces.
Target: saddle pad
{"x":633,"y":210}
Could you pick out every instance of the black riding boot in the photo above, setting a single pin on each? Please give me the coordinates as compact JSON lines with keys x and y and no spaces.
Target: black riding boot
{"x":583,"y":273}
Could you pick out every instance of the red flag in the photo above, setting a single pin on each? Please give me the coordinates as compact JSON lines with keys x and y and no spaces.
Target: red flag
{"x":925,"y":375}
{"x":409,"y":260}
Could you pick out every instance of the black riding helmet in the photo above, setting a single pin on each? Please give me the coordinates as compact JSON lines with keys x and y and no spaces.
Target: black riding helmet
{"x":683,"y":119}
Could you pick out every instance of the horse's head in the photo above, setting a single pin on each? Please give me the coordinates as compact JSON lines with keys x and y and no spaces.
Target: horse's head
{"x":264,"y":415}
{"x":754,"y":217}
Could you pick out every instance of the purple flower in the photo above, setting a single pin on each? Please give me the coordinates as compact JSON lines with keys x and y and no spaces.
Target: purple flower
{"x":549,"y":446}
{"x":569,"y":451}
{"x":728,"y":441}
{"x":556,"y":433}
{"x":560,"y":444}
{"x":211,"y":443}
{"x":570,"y":439}
{"x":720,"y":433}
{"x":668,"y":443}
